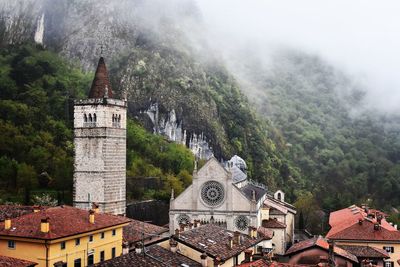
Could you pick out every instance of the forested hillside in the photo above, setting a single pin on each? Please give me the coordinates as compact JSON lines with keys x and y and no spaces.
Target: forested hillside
{"x":37,"y":89}
{"x":346,"y":152}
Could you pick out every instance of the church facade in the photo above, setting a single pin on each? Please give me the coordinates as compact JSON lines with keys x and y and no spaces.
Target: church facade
{"x":224,"y":196}
{"x":100,"y":147}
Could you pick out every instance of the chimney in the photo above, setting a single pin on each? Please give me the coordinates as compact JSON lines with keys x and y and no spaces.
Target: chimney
{"x":331,"y":258}
{"x":253,"y":195}
{"x":195,"y":223}
{"x":190,"y":226}
{"x":44,"y":225}
{"x":91,"y":216}
{"x":247,"y":255}
{"x":236,"y":238}
{"x":230,"y":242}
{"x":217,"y":261}
{"x":138,"y":247}
{"x":125,"y":248}
{"x":377,"y":226}
{"x":177,"y":233}
{"x":360,"y":222}
{"x":173,"y":245}
{"x":379,"y":219}
{"x":203,"y":260}
{"x":181,"y":227}
{"x":7,"y":223}
{"x":36,"y":208}
{"x":95,"y":207}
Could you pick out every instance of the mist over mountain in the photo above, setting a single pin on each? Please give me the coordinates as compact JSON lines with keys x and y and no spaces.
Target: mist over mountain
{"x":301,"y":120}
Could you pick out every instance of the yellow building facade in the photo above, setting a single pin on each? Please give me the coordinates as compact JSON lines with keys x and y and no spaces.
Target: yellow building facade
{"x":93,"y":244}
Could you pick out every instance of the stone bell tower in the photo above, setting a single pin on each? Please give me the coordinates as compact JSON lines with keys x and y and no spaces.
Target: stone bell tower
{"x":100,"y":147}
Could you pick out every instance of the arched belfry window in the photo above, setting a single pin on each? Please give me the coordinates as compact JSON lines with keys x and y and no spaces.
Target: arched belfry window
{"x":94,"y":117}
{"x":279,"y":196}
{"x":90,"y":117}
{"x":113,"y":118}
{"x":119,"y":118}
{"x":84,"y":118}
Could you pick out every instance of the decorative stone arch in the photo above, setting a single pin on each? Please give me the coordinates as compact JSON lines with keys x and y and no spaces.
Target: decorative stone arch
{"x":279,"y":195}
{"x":94,"y":117}
{"x":85,"y":118}
{"x":90,"y":117}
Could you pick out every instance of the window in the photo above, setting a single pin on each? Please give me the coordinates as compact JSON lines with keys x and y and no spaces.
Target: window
{"x":85,"y":118}
{"x":113,"y":253}
{"x":102,"y":256}
{"x":11,"y":244}
{"x":62,"y":245}
{"x":94,"y":117}
{"x":77,"y":263}
{"x":77,"y":242}
{"x":102,"y":235}
{"x":114,"y":232}
{"x":90,"y":260}
{"x":389,"y":249}
{"x":389,"y":263}
{"x":90,"y":238}
{"x":90,"y":117}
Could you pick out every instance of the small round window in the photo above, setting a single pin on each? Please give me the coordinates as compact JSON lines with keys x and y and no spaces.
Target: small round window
{"x":241,"y":222}
{"x":183,"y":219}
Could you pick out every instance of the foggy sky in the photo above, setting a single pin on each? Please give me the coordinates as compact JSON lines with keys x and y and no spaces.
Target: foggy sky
{"x":360,"y":37}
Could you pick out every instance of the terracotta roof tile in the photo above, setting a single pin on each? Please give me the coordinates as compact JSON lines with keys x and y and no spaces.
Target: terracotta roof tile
{"x":101,"y":82}
{"x":156,"y":256}
{"x":266,"y":233}
{"x":14,"y":262}
{"x":133,"y":231}
{"x":341,"y":219}
{"x":266,"y":263}
{"x":364,"y":231}
{"x":366,"y":251}
{"x":214,"y":241}
{"x":273,"y":223}
{"x":248,"y":191}
{"x":321,"y":243}
{"x":64,"y":221}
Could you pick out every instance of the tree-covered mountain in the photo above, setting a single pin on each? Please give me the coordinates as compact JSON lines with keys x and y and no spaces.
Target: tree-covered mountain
{"x":299,"y":122}
{"x":346,"y":152}
{"x":37,"y":89}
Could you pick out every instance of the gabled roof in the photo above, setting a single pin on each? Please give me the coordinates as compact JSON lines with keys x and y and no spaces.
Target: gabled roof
{"x":273,"y":223}
{"x":274,"y":211}
{"x":366,"y":251}
{"x":101,"y":83}
{"x":214,"y":241}
{"x":156,"y":256}
{"x":64,"y":221}
{"x":14,"y":262}
{"x":321,"y":243}
{"x":133,"y":231}
{"x":341,"y":219}
{"x":264,"y":232}
{"x":364,"y":231}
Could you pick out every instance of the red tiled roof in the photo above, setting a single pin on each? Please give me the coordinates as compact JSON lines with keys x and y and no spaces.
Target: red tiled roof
{"x":364,"y":231}
{"x":156,"y":256}
{"x":266,"y":233}
{"x":366,"y":251}
{"x":265,"y":263}
{"x":341,"y":219}
{"x":14,"y":262}
{"x":133,"y":231}
{"x":64,"y":221}
{"x":214,"y":241}
{"x":273,"y":223}
{"x":100,"y":82}
{"x":321,"y":243}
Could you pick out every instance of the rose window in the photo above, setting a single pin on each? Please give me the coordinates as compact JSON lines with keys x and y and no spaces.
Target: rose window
{"x":241,"y":222}
{"x":212,"y":193}
{"x":183,"y":219}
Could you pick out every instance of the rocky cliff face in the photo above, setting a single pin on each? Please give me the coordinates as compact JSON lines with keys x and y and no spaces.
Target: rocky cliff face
{"x":169,"y":85}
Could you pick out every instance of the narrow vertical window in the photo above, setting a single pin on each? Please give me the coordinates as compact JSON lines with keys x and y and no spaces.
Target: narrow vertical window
{"x":85,"y":118}
{"x":94,"y":117}
{"x":90,"y":117}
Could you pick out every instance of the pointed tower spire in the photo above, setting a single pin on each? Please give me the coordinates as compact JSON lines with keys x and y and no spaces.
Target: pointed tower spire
{"x":101,"y":83}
